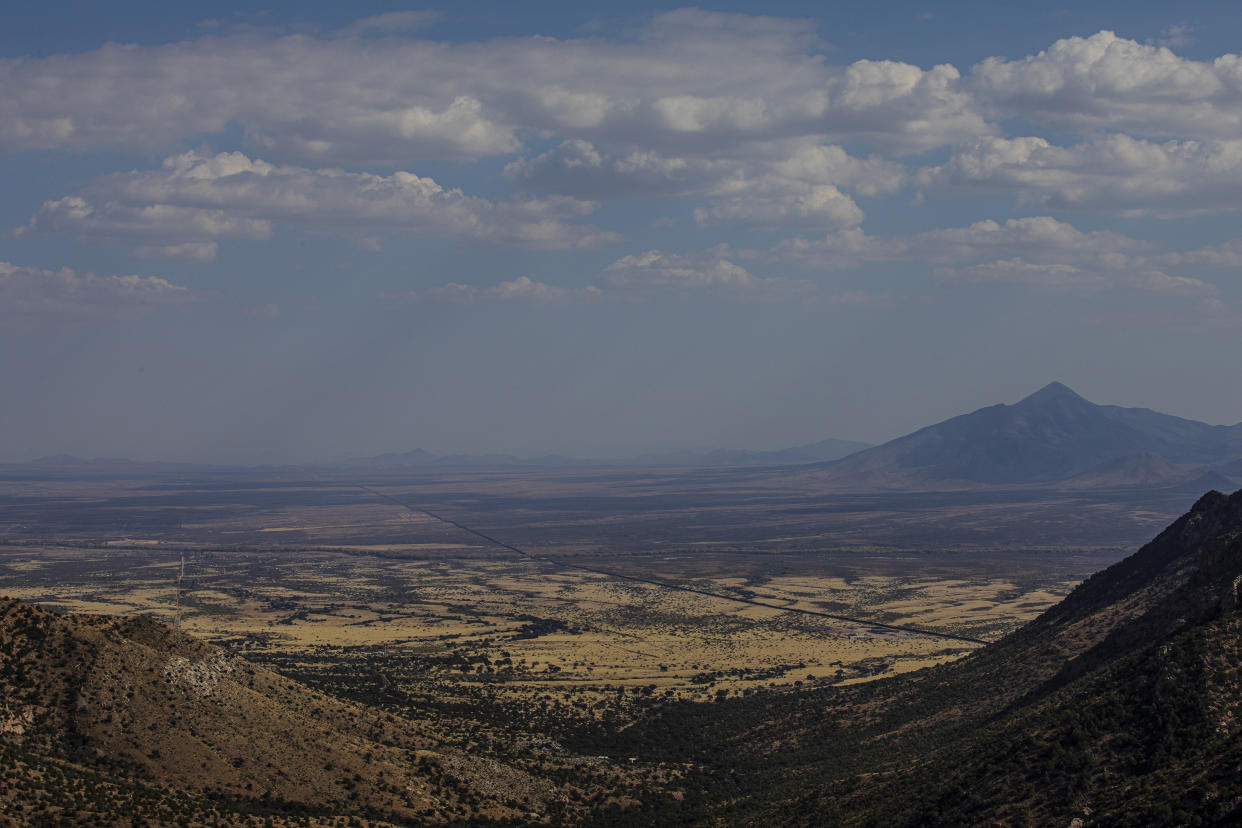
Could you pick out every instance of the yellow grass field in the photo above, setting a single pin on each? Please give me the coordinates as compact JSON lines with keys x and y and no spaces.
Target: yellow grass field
{"x":542,"y":628}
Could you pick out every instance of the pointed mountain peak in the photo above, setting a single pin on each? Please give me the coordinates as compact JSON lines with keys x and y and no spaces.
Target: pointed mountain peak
{"x":1053,"y":392}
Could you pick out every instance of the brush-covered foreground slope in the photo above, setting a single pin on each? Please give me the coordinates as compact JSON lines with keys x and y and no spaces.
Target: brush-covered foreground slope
{"x":1139,"y":724}
{"x":1051,"y":436}
{"x":101,"y":717}
{"x":1122,"y":705}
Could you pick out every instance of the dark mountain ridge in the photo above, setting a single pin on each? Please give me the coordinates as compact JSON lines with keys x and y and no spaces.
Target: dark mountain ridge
{"x":1049,"y":437}
{"x":1120,"y":705}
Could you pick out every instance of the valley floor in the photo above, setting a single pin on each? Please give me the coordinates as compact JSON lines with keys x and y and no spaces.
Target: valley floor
{"x":521,"y":622}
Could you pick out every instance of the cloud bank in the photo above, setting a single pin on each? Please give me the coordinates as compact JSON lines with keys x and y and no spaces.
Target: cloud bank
{"x":741,"y":124}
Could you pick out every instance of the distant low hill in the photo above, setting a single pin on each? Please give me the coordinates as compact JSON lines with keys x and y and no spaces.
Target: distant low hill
{"x":1054,"y":436}
{"x":824,"y":450}
{"x":64,"y":465}
{"x":423,"y":459}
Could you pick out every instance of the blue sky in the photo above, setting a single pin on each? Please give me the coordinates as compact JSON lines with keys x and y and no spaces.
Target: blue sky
{"x":307,"y":232}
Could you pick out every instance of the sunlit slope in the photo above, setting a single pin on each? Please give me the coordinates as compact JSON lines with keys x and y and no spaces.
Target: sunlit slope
{"x":130,"y":701}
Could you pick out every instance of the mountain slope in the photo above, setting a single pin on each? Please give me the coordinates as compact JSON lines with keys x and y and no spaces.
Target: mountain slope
{"x":1142,"y":723}
{"x":127,"y":703}
{"x":1048,"y":437}
{"x":1120,"y":705}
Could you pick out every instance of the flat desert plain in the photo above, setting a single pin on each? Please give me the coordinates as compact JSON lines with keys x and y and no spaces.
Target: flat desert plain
{"x":580,"y":594}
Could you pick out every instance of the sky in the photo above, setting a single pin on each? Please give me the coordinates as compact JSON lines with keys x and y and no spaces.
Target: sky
{"x":327,"y":230}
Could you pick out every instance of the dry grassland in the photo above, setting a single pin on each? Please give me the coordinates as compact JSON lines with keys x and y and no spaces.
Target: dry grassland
{"x":663,"y":584}
{"x":524,"y":627}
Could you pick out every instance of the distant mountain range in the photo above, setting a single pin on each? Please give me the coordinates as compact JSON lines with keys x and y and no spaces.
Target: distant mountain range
{"x":1053,"y":437}
{"x":63,"y":465}
{"x":822,"y":451}
{"x":421,"y":458}
{"x":68,"y":466}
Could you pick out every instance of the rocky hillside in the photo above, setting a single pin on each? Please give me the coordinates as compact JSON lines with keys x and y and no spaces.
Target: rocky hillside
{"x":1138,"y":724}
{"x":1122,"y":705}
{"x":101,"y":716}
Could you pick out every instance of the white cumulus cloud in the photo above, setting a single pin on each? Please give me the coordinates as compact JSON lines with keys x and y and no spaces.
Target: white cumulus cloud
{"x":1040,"y":238}
{"x":692,"y":80}
{"x":1225,"y":255}
{"x":712,"y":269}
{"x":1035,"y":251}
{"x":775,"y":185}
{"x":390,"y":23}
{"x":199,"y":196}
{"x":1114,"y":173}
{"x":630,"y":278}
{"x":522,"y":290}
{"x":1065,"y":276}
{"x":31,"y":294}
{"x":1106,"y":82}
{"x":190,"y":251}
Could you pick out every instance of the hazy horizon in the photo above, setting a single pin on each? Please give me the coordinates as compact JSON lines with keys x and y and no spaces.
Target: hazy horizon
{"x":620,"y":455}
{"x":605,"y":231}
